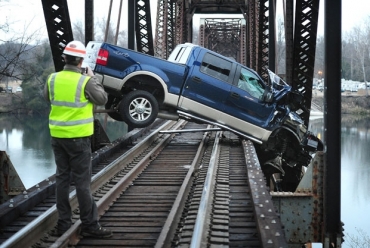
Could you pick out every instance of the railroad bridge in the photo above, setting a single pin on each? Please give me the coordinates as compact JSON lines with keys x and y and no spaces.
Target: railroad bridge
{"x":181,"y":184}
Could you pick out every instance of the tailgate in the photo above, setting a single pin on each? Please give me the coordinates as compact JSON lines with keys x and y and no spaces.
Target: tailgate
{"x":92,"y":50}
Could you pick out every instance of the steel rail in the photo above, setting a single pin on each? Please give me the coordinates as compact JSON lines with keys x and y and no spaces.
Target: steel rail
{"x":202,"y":223}
{"x":36,"y":229}
{"x":169,"y":227}
{"x":71,"y":237}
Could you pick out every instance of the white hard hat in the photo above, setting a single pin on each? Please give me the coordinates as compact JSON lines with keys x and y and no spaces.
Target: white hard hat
{"x":75,"y":48}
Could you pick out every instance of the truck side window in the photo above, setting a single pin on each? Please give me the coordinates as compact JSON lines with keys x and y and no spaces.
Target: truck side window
{"x":216,"y":67}
{"x":249,"y":82}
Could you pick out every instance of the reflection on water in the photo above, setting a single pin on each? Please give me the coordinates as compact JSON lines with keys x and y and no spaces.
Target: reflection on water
{"x":355,"y":159}
{"x":26,"y":140}
{"x":355,"y":175}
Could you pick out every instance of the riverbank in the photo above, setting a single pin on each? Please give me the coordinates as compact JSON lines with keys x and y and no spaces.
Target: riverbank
{"x":351,"y":103}
{"x":10,"y":102}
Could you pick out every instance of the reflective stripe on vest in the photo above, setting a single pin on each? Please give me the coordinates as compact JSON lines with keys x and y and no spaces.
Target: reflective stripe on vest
{"x":71,"y":114}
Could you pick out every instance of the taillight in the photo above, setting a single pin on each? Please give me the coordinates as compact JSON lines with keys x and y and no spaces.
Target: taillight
{"x":102,"y":57}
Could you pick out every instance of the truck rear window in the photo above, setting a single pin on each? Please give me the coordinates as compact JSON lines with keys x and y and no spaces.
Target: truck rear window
{"x":180,"y":54}
{"x":216,"y":67}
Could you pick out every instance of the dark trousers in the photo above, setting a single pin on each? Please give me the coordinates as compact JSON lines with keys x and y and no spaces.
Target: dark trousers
{"x":73,"y":161}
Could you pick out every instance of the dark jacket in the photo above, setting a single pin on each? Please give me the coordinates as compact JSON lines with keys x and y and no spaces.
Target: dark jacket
{"x":94,"y":90}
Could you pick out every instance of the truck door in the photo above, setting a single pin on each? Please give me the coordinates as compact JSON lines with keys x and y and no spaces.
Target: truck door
{"x":208,"y":85}
{"x":244,"y":100}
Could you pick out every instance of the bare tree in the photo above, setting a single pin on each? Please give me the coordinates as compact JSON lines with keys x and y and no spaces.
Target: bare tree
{"x":16,"y":48}
{"x":78,"y":31}
{"x":360,"y":241}
{"x":360,"y":43}
{"x":280,"y":47}
{"x":14,"y":56}
{"x":100,"y":27}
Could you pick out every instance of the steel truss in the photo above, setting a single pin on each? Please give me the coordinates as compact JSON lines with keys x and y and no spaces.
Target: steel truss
{"x":59,"y":28}
{"x":222,"y":36}
{"x":247,"y":43}
{"x":143,"y":25}
{"x":166,"y":29}
{"x":306,"y":17}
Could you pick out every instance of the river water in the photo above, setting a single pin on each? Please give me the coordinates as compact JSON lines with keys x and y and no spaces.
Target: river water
{"x":27,"y":141}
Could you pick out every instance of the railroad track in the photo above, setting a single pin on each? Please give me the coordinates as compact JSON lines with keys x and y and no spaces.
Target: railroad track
{"x":25,"y":208}
{"x":193,"y":189}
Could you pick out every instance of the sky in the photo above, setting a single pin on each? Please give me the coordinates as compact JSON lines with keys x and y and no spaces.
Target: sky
{"x":29,"y":14}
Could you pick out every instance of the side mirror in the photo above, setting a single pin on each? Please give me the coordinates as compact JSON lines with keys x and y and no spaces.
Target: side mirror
{"x":267,"y":96}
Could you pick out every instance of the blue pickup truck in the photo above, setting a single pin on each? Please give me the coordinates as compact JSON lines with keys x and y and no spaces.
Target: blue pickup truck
{"x":203,"y":86}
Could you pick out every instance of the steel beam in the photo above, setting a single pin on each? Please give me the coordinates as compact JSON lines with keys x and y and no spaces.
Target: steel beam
{"x":143,"y":25}
{"x":272,"y":40}
{"x":263,"y":39}
{"x":165,"y":37}
{"x":131,"y":24}
{"x":332,"y":121}
{"x":89,"y":21}
{"x":305,"y":33}
{"x":289,"y":13}
{"x":58,"y":24}
{"x":301,"y":211}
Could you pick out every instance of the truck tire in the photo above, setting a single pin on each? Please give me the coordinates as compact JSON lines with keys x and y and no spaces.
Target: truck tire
{"x":139,"y":109}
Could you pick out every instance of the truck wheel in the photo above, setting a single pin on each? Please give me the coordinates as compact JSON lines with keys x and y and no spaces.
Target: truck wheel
{"x":139,"y":108}
{"x":111,"y":104}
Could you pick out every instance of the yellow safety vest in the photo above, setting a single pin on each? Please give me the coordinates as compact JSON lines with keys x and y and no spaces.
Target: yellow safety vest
{"x":71,"y":114}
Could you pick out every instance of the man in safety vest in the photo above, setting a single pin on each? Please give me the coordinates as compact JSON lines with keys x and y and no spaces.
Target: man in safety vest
{"x":71,"y":122}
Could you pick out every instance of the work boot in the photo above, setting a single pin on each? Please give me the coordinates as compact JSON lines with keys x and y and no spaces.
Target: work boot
{"x":99,"y":232}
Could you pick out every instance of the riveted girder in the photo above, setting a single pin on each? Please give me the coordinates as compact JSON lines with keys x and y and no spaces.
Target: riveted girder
{"x":59,"y":28}
{"x":143,"y":25}
{"x":306,"y":17}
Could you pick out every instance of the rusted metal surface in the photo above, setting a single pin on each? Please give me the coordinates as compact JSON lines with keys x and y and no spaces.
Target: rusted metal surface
{"x":270,"y":228}
{"x":301,"y":211}
{"x":222,"y":35}
{"x":165,"y":31}
{"x":10,"y":182}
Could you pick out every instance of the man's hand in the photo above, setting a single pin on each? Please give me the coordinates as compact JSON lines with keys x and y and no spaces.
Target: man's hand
{"x":89,"y":72}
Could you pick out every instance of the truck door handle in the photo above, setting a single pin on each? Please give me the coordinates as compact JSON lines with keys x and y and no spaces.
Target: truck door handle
{"x":235,"y":95}
{"x":197,"y":79}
